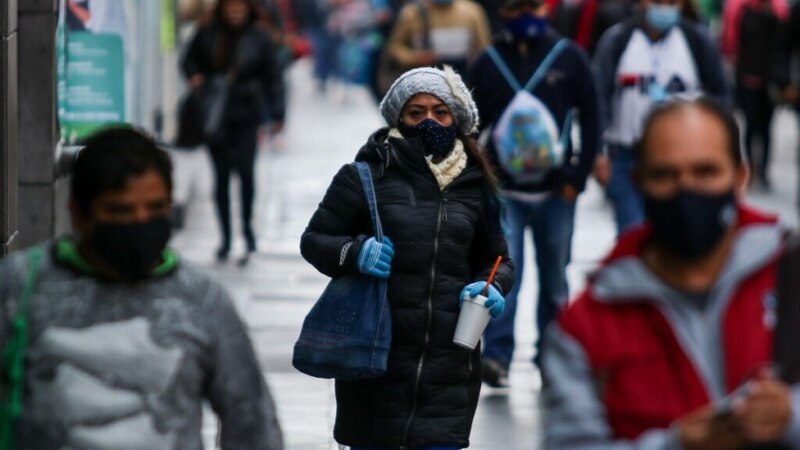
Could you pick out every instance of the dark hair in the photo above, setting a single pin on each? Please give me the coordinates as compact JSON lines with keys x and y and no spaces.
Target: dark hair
{"x":491,"y":185}
{"x":706,"y":104}
{"x":110,"y":158}
{"x":473,"y":151}
{"x":225,"y":46}
{"x":253,"y":16}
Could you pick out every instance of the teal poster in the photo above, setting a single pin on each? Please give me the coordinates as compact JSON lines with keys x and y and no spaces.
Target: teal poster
{"x":91,"y":70}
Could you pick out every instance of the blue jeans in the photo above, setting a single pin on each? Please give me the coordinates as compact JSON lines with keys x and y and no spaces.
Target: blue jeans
{"x":325,"y":51}
{"x":552,"y":221}
{"x":627,"y":200}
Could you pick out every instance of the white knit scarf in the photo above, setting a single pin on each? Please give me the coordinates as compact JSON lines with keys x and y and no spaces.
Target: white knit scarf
{"x":446,"y":170}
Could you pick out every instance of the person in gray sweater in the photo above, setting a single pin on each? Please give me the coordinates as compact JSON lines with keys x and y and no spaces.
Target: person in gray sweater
{"x":108,"y":341}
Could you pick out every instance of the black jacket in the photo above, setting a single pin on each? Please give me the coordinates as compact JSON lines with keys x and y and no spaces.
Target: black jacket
{"x":257,"y":89}
{"x":443,"y":241}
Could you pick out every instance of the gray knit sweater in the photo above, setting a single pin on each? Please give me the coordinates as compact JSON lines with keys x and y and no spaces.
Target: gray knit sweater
{"x":114,"y":366}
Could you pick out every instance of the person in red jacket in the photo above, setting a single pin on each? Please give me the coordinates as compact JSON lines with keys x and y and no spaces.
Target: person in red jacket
{"x":670,"y":345}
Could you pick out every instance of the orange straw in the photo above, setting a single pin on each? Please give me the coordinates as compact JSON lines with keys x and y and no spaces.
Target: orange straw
{"x":491,"y":275}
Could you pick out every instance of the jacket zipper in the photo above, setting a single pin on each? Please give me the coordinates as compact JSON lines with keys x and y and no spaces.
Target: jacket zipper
{"x":442,"y":216}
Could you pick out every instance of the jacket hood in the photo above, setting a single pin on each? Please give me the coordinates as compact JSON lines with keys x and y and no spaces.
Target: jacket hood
{"x":376,"y":148}
{"x":386,"y":148}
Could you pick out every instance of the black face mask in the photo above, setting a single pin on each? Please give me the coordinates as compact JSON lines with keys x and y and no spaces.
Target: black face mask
{"x":132,"y":249}
{"x":436,"y":139}
{"x":689,"y":224}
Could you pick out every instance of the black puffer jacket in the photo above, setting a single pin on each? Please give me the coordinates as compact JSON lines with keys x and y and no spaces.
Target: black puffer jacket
{"x":443,"y":241}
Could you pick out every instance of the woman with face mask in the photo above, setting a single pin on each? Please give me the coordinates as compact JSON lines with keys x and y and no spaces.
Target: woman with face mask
{"x":437,"y":201}
{"x":231,"y":49}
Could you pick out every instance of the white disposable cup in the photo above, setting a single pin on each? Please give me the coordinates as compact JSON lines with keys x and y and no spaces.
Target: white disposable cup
{"x":472,"y":321}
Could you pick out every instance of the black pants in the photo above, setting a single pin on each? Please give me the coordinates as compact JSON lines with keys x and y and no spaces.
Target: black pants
{"x":757,"y":108}
{"x":237,"y":152}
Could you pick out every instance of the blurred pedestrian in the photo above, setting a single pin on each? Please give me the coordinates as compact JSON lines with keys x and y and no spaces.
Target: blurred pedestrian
{"x":313,"y":18}
{"x":233,"y":59}
{"x":539,"y":194}
{"x":295,"y":21}
{"x":670,"y":346}
{"x":750,"y":34}
{"x":275,"y":23}
{"x":787,"y":75}
{"x":436,"y":198}
{"x":108,"y":340}
{"x":639,"y":63}
{"x":356,"y":24}
{"x":437,"y":32}
{"x":786,"y":69}
{"x":585,"y":21}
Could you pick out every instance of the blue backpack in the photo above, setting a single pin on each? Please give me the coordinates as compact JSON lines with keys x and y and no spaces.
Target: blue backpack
{"x":526,"y":135}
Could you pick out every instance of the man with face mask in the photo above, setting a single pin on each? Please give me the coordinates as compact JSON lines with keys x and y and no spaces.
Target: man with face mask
{"x":528,"y":49}
{"x":670,"y":346}
{"x":641,"y":62}
{"x":107,"y":340}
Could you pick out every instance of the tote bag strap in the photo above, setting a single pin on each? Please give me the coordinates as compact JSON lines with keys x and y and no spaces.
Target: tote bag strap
{"x":13,"y":355}
{"x":372,"y":202}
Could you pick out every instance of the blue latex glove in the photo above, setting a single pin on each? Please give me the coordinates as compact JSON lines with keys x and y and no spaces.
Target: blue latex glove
{"x":494,"y":300}
{"x":375,"y":258}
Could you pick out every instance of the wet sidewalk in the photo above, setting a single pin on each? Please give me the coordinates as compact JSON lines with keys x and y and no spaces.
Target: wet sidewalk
{"x":275,"y":291}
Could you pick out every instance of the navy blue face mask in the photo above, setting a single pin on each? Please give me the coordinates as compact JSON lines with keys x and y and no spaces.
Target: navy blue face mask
{"x":437,"y":140}
{"x":526,"y":27}
{"x":690,"y":224}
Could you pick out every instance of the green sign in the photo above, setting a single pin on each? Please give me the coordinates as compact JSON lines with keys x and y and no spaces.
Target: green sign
{"x":92,"y":83}
{"x":167,"y":25}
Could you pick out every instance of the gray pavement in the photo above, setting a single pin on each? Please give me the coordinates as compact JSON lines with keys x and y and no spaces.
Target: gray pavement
{"x":274,"y":292}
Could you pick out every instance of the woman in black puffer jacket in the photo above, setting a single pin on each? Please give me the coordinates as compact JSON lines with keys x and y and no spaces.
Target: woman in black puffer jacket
{"x":437,"y":202}
{"x":232,"y":45}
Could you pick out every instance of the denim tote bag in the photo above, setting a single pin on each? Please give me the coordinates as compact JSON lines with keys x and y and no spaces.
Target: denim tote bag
{"x":348,"y":332}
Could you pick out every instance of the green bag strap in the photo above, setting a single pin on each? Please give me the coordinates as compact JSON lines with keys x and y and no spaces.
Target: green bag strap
{"x":13,"y":356}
